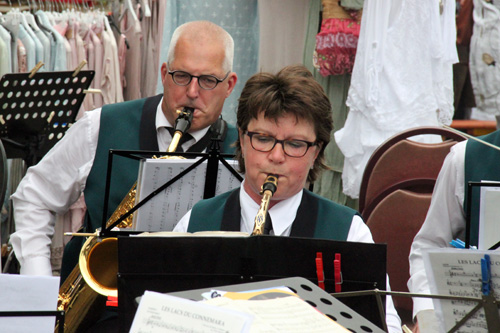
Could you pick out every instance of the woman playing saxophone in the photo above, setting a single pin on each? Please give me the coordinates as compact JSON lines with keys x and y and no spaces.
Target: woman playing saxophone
{"x":284,"y":122}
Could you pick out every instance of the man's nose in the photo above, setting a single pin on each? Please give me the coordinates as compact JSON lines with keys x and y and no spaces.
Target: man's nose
{"x":193,"y":88}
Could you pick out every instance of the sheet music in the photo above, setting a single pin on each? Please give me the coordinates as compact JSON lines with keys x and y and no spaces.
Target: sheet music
{"x":28,"y":293}
{"x":160,"y":313}
{"x":489,"y":212}
{"x":457,"y":272}
{"x":163,"y":211}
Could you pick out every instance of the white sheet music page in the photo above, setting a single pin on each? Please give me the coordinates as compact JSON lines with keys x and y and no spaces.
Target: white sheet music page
{"x":162,"y":212}
{"x":161,"y":313}
{"x":489,"y":211}
{"x":457,"y":272}
{"x":28,"y":293}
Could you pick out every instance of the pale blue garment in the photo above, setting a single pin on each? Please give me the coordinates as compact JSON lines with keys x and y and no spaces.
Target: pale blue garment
{"x":329,"y":184}
{"x":4,"y":57}
{"x":44,"y":56}
{"x":47,"y":48}
{"x":29,"y":46}
{"x":239,"y":18}
{"x":12,"y":26}
{"x":58,"y":54}
{"x":7,"y":38}
{"x":38,"y":44}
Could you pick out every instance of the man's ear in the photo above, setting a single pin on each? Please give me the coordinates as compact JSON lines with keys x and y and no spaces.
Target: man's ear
{"x":231,"y":82}
{"x":164,"y":72}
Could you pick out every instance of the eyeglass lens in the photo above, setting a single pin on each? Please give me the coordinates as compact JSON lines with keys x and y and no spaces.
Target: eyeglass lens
{"x":184,"y":78}
{"x":265,"y":143}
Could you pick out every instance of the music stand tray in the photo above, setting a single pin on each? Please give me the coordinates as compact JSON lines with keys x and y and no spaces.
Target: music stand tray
{"x":307,"y":291}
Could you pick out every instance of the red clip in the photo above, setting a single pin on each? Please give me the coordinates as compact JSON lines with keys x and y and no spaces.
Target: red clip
{"x":337,"y":273}
{"x":112,"y":301}
{"x":319,"y":270}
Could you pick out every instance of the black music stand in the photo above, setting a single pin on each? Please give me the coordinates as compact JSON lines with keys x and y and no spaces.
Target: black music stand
{"x":183,"y":263}
{"x":59,"y":315}
{"x":213,"y":157}
{"x":37,"y":109}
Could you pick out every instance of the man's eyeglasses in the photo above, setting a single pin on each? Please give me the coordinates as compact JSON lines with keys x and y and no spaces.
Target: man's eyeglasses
{"x":207,"y":82}
{"x":265,"y":143}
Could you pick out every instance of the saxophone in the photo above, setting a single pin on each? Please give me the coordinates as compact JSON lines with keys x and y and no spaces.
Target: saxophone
{"x":96,"y":272}
{"x":268,"y":188}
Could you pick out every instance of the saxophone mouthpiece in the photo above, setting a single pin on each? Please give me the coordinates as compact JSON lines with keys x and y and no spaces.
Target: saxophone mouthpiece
{"x":183,"y":121}
{"x":270,"y":184}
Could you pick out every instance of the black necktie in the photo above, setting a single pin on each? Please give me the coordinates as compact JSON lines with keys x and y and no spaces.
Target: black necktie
{"x":269,"y":224}
{"x":185,"y":137}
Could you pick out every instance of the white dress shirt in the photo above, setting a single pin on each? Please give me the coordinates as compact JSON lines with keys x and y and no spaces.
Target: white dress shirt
{"x":283,"y":214}
{"x":444,"y":222}
{"x":56,"y":182}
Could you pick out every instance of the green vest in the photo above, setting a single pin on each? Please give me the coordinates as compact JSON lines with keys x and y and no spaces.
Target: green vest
{"x":117,"y":131}
{"x":321,"y":218}
{"x":487,"y":169}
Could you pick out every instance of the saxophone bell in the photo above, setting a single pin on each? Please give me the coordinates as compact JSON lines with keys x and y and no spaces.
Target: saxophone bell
{"x":267,"y":191}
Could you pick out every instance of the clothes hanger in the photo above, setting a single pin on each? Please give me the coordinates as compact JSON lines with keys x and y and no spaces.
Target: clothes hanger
{"x":130,"y":8}
{"x":145,"y":7}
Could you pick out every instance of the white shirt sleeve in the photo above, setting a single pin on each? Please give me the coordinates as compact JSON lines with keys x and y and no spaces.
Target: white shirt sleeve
{"x":50,"y":187}
{"x":183,"y":224}
{"x":359,"y":232}
{"x":445,"y":221}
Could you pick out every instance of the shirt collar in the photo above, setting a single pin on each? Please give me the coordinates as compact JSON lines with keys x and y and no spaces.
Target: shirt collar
{"x":282,"y":214}
{"x":162,"y":121}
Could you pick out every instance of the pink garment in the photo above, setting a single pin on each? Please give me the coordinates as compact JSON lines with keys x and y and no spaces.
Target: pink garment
{"x":62,"y":28}
{"x":71,"y":34}
{"x":89,"y":46}
{"x":81,"y":55}
{"x":112,"y":91}
{"x":98,"y":54}
{"x":22,"y":60}
{"x":152,"y":32}
{"x":336,"y":46}
{"x":122,"y":59}
{"x":133,"y":71}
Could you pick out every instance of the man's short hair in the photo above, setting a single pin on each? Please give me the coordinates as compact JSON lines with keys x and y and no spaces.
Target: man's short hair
{"x":204,"y":29}
{"x":292,"y":91}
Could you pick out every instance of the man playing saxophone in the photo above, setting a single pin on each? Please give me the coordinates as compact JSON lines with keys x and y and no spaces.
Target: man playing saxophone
{"x":284,"y":123}
{"x":197,"y":74}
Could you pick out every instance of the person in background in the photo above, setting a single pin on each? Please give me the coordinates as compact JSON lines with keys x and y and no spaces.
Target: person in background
{"x":284,"y":123}
{"x":198,"y":74}
{"x":446,"y":217}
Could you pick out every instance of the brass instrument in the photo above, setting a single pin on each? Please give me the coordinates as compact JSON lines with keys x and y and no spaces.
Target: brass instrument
{"x":268,"y":188}
{"x":96,"y":272}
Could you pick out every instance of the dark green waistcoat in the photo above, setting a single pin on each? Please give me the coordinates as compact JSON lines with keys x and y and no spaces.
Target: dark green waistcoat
{"x":481,"y":163}
{"x":316,"y":217}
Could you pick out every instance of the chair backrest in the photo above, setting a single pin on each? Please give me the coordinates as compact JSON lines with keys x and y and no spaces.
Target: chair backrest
{"x":395,"y":195}
{"x":395,"y":221}
{"x":403,"y":163}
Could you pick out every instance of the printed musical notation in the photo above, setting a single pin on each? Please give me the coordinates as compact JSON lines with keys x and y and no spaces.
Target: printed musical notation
{"x":457,"y":272}
{"x":163,"y":211}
